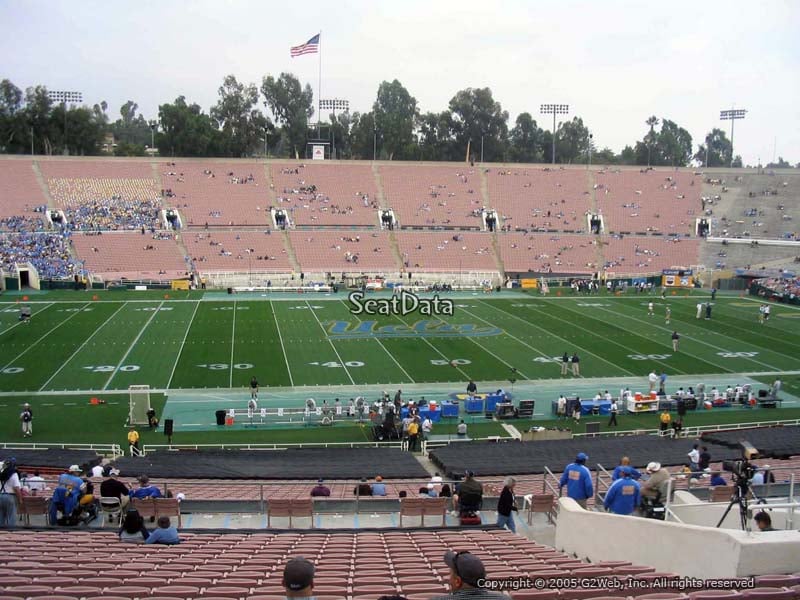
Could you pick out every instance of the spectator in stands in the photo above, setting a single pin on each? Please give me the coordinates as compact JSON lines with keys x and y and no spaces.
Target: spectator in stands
{"x":97,"y":470}
{"x":363,"y":488}
{"x":694,"y":458}
{"x":506,"y":505}
{"x":466,"y":574}
{"x":298,"y":578}
{"x":133,"y":530}
{"x":145,"y":490}
{"x":114,"y":488}
{"x":717,"y":479}
{"x":625,"y":463}
{"x":461,"y":429}
{"x":623,"y":497}
{"x":705,"y":458}
{"x":656,"y":485}
{"x":166,"y":533}
{"x":379,"y":488}
{"x":320,"y":490}
{"x":578,"y":480}
{"x":764,"y":521}
{"x":36,"y":483}
{"x":10,"y":493}
{"x":471,"y":490}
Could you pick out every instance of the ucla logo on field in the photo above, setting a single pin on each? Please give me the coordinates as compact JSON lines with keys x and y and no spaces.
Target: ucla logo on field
{"x":367,"y":329}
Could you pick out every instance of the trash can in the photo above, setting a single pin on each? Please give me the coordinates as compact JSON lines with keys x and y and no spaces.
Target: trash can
{"x":220,"y":417}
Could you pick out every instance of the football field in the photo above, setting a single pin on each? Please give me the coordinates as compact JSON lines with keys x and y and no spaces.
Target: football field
{"x":219,"y":341}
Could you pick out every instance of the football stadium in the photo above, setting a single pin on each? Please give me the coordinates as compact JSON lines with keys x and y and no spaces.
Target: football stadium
{"x":275,"y":349}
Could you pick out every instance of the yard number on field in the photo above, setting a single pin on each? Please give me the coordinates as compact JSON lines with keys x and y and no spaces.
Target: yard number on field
{"x":111,"y":368}
{"x":335,"y":365}
{"x":225,"y":367}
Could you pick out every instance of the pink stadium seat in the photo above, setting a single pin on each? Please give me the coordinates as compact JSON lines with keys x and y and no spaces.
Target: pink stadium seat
{"x":439,"y":251}
{"x":770,"y":593}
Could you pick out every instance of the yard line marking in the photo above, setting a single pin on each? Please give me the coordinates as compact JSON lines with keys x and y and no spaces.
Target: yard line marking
{"x":763,"y":331}
{"x":325,"y":334}
{"x":18,"y":323}
{"x":133,"y":343}
{"x":74,"y":354}
{"x":73,"y":315}
{"x":183,"y":343}
{"x":283,"y":348}
{"x":435,"y":349}
{"x":233,"y":345}
{"x":411,"y":379}
{"x":696,"y":340}
{"x":569,"y":344}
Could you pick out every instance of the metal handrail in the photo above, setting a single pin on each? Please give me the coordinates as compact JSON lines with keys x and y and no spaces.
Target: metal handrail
{"x":113,"y":449}
{"x":695,"y":430}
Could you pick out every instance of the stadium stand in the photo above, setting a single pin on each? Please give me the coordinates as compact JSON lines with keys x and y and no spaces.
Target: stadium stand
{"x":434,"y":196}
{"x":629,"y":255}
{"x":446,"y":251}
{"x":324,"y":195}
{"x":530,"y":198}
{"x":548,"y":253}
{"x":749,"y":256}
{"x":217,"y":193}
{"x":343,"y":251}
{"x":130,"y":255}
{"x":639,"y":201}
{"x":47,"y":252}
{"x":21,"y":198}
{"x":253,"y":251}
{"x":752,"y":204}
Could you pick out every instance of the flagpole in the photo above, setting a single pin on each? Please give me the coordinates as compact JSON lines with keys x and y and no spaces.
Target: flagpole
{"x":319,"y":87}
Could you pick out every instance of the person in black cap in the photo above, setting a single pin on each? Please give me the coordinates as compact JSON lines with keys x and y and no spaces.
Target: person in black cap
{"x":298,"y":578}
{"x":467,"y":575}
{"x":320,"y":490}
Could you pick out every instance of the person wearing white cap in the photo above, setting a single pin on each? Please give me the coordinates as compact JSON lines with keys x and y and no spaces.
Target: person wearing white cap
{"x":655,"y":487}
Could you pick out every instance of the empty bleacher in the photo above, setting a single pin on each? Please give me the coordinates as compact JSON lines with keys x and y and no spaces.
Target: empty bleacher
{"x":217,"y":193}
{"x":343,"y":251}
{"x":126,"y":255}
{"x":539,"y":198}
{"x":250,"y":251}
{"x":446,"y":251}
{"x":548,"y":253}
{"x":632,"y":255}
{"x":19,"y":191}
{"x":342,"y":194}
{"x":434,"y":196}
{"x":639,"y":201}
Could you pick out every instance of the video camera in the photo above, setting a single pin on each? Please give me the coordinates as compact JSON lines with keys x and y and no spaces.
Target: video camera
{"x":742,"y":469}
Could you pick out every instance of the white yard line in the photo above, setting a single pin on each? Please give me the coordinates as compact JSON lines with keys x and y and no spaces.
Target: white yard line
{"x":411,"y":379}
{"x":72,"y":316}
{"x":74,"y":354}
{"x":435,"y":349}
{"x":18,"y":323}
{"x":233,"y":345}
{"x":695,"y":339}
{"x":569,"y":344}
{"x":183,"y":343}
{"x":283,"y":348}
{"x":133,"y":343}
{"x":325,"y":334}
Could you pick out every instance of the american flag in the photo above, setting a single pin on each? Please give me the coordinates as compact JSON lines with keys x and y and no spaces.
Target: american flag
{"x":310,"y":47}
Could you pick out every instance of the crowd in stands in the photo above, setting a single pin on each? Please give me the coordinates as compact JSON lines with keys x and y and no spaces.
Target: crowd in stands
{"x":47,"y":252}
{"x":114,"y":214}
{"x":789,"y":287}
{"x":17,"y":223}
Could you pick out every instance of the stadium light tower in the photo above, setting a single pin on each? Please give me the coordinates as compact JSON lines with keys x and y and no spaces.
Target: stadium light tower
{"x":65,"y":97}
{"x":732,"y":115}
{"x":334,"y":104}
{"x":554,"y":109}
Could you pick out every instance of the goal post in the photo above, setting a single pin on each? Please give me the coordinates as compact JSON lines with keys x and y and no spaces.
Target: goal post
{"x":139,"y":404}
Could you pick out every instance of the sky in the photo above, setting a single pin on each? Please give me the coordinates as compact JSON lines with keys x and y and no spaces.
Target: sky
{"x":615,"y":62}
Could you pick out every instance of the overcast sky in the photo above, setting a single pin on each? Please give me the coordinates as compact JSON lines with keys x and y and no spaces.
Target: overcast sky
{"x":614,"y":62}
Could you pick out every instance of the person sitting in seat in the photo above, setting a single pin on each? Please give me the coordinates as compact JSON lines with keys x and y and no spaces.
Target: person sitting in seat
{"x":133,"y":530}
{"x":469,"y":494}
{"x":363,"y":488}
{"x":145,"y":490}
{"x":166,"y":533}
{"x":379,"y":488}
{"x":320,"y":490}
{"x":655,"y":487}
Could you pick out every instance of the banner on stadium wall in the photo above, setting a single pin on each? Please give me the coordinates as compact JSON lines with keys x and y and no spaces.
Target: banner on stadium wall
{"x":180,"y":284}
{"x":675,"y":278}
{"x":318,"y":152}
{"x":529,"y":284}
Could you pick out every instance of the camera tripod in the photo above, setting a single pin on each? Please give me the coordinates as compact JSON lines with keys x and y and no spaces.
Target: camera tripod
{"x":740,"y":491}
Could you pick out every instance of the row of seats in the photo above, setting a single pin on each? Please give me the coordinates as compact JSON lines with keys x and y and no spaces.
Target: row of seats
{"x":130,"y":255}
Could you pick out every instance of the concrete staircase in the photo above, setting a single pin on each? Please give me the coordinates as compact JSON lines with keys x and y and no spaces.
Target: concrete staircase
{"x":379,"y":186}
{"x":37,"y":172}
{"x":393,"y":245}
{"x":290,"y":254}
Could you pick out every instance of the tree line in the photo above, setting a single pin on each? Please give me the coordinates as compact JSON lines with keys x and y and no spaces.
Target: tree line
{"x":473,"y":126}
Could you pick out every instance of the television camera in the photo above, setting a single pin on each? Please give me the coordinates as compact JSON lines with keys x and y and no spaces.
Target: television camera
{"x":742,"y":471}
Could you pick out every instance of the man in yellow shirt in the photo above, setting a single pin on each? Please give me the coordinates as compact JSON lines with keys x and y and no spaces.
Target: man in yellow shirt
{"x":666,"y":419}
{"x":133,"y":441}
{"x":413,"y":434}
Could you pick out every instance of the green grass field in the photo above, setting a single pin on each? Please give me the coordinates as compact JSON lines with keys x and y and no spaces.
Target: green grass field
{"x":83,"y":347}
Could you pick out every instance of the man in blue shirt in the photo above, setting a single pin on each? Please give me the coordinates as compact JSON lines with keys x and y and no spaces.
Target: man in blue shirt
{"x":578,"y":480}
{"x":623,"y":496}
{"x":624,"y":463}
{"x":379,"y":488}
{"x":717,"y":479}
{"x":166,"y":533}
{"x":145,"y":490}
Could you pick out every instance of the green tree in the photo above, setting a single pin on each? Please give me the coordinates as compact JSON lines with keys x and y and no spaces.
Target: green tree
{"x":291,"y":105}
{"x":716,"y":152}
{"x":241,"y":123}
{"x":436,"y":136}
{"x":627,"y":156}
{"x":671,"y":146}
{"x":341,"y":132}
{"x":526,"y":140}
{"x":13,"y":136}
{"x":606,"y":156}
{"x":650,"y":138}
{"x":781,"y":164}
{"x":363,"y":136}
{"x":37,"y":117}
{"x":573,"y":142}
{"x":395,"y":113}
{"x":475,"y":116}
{"x":186,"y":130}
{"x":126,"y":149}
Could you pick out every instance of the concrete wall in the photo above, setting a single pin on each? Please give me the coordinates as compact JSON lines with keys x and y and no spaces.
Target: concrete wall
{"x":688,"y":550}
